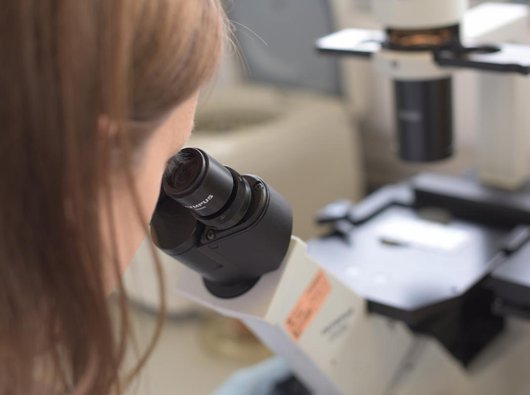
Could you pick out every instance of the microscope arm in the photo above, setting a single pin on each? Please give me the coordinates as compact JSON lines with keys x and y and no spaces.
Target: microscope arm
{"x":320,"y":326}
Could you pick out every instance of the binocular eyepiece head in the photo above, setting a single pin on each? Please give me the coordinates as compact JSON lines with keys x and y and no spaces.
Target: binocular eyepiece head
{"x":230,"y":228}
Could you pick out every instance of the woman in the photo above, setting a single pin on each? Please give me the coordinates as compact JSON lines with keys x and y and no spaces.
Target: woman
{"x":96,"y":96}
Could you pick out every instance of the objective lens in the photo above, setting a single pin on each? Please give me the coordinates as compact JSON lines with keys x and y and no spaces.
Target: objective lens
{"x":246,"y":233}
{"x":424,"y":113}
{"x":425,"y":119}
{"x":184,"y":171}
{"x":198,"y":182}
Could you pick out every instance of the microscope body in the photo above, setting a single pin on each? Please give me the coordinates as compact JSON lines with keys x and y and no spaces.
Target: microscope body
{"x":365,"y":309}
{"x":391,"y":301}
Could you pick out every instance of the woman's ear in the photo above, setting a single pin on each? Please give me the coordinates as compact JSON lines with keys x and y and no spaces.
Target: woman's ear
{"x":107,"y":128}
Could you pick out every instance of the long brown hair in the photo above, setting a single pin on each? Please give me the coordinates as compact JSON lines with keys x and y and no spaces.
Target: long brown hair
{"x":63,"y":66}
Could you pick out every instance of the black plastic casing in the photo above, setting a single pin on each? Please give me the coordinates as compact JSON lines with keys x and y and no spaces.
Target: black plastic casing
{"x":231,"y":261}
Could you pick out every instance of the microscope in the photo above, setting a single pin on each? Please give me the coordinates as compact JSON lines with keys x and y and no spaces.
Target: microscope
{"x":423,"y":288}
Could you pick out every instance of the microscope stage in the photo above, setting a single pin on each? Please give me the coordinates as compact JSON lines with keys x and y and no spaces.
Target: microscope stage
{"x":407,"y":263}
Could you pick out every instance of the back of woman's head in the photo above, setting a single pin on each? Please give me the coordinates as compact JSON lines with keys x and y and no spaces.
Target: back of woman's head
{"x":67,"y":68}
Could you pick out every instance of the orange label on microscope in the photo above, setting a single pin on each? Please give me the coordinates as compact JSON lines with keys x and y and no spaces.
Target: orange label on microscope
{"x":308,"y":305}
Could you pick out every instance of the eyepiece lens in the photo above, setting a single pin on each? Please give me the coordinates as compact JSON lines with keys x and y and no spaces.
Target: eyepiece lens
{"x":183,"y":170}
{"x":198,"y":182}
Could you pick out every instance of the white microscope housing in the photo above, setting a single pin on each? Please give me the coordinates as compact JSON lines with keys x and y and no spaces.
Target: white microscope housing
{"x":419,"y":14}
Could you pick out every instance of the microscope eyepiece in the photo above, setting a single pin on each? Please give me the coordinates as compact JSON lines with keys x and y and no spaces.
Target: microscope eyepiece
{"x":186,"y":171}
{"x":198,"y":182}
{"x":216,"y":195}
{"x":230,"y":228}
